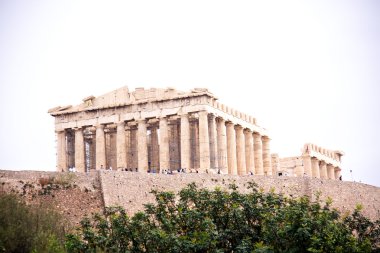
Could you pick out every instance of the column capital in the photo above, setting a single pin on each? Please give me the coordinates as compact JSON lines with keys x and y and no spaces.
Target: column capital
{"x":203,"y":113}
{"x":184,"y":115}
{"x":139,"y":121}
{"x":173,"y":117}
{"x":256,"y":134}
{"x":121,"y":123}
{"x":162,"y":119}
{"x":247,"y":131}
{"x":239,"y":127}
{"x":100,"y":126}
{"x":153,"y":121}
{"x":313,"y":158}
{"x":229,"y":123}
{"x":220,"y":119}
{"x":131,"y":123}
{"x":212,"y":116}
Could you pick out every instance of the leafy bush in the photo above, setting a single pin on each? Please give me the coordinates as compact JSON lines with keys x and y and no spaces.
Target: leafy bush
{"x":26,"y":228}
{"x":200,"y":220}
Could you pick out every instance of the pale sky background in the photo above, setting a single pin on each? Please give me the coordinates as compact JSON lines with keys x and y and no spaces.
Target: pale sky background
{"x":309,"y":71}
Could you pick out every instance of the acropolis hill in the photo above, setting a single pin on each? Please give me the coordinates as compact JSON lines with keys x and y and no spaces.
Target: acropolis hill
{"x":115,"y":148}
{"x":78,"y":194}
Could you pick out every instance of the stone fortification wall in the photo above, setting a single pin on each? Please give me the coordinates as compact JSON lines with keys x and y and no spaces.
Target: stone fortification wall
{"x":132,"y":190}
{"x":83,"y":194}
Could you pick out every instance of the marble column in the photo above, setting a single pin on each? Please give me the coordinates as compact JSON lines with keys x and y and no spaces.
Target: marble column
{"x":307,"y":165}
{"x":79,"y":150}
{"x":213,"y":143}
{"x":258,"y":146}
{"x":222,"y":146}
{"x":323,"y":170}
{"x":61,"y":151}
{"x":164,"y":145}
{"x":121,"y":150}
{"x":185,"y":142}
{"x":266,"y":156}
{"x":275,"y":163}
{"x":337,"y":171}
{"x":315,"y":167}
{"x":240,"y":151}
{"x":249,"y":152}
{"x":231,"y":149}
{"x":330,"y":171}
{"x":204,"y":143}
{"x":155,"y":152}
{"x":100,"y":147}
{"x":142,"y":147}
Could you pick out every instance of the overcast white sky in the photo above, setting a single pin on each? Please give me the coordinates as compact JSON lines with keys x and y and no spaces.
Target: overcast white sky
{"x":309,"y":71}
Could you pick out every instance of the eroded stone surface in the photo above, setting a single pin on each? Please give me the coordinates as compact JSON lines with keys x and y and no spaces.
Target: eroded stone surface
{"x":74,"y":195}
{"x":132,"y":190}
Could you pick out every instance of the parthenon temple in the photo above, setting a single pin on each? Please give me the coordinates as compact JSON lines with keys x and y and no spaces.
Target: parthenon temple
{"x":156,"y":130}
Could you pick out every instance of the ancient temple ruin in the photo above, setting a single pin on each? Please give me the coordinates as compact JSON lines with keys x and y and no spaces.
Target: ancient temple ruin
{"x":156,"y":130}
{"x":315,"y":161}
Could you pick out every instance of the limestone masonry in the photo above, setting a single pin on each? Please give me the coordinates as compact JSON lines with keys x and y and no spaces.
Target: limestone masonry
{"x":91,"y":192}
{"x":165,"y":130}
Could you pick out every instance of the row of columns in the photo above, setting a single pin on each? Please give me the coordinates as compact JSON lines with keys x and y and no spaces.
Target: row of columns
{"x":223,"y":147}
{"x":320,"y":169}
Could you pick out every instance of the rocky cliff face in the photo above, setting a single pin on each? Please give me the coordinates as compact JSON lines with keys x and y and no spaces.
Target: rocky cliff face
{"x":72,"y":195}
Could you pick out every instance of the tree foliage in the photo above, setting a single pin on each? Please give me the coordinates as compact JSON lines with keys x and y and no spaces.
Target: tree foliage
{"x":201,"y":220}
{"x":25,"y":228}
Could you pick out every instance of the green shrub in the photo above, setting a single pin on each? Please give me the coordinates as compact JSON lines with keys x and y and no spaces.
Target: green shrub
{"x":26,"y":228}
{"x":200,"y":220}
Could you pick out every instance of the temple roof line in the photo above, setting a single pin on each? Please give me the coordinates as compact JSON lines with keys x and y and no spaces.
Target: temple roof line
{"x":122,"y":97}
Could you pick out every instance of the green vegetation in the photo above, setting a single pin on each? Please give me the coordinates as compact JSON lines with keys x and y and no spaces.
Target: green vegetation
{"x":65,"y":179}
{"x":61,"y":181}
{"x":26,"y":228}
{"x":194,"y":220}
{"x":200,"y":220}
